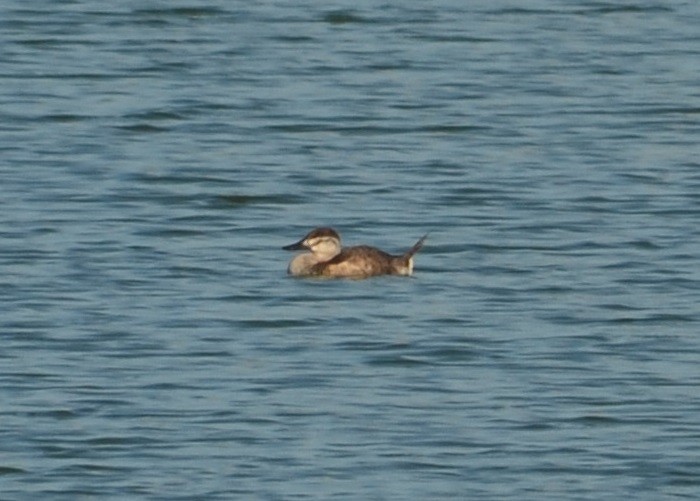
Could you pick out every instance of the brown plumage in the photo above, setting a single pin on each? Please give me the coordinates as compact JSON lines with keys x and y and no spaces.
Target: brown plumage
{"x":328,"y":259}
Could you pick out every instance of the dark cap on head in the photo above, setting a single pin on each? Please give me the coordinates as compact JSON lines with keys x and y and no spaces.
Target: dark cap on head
{"x":324,"y":231}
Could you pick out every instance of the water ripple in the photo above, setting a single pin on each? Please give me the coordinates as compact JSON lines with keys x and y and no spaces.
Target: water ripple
{"x":157,"y":157}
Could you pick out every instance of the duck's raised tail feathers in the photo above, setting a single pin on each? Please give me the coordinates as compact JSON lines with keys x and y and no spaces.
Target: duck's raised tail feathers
{"x":416,"y":247}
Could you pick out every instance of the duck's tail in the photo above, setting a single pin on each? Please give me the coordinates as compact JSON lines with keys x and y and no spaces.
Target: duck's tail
{"x":416,"y":247}
{"x":403,"y":265}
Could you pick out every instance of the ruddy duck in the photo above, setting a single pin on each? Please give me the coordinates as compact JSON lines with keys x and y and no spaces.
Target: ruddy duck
{"x":328,"y":259}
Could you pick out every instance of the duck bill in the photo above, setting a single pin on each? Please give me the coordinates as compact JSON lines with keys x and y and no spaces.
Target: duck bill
{"x":295,"y":246}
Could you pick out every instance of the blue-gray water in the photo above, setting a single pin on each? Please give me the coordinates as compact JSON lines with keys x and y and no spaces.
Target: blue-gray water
{"x":155,"y":156}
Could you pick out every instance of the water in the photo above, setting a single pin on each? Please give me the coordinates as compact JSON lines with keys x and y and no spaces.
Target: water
{"x":156,"y":156}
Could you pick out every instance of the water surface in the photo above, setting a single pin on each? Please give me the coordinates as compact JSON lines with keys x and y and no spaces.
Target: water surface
{"x":155,"y":157}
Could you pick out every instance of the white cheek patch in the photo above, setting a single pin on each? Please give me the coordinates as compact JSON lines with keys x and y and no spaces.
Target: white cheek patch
{"x":313,"y":242}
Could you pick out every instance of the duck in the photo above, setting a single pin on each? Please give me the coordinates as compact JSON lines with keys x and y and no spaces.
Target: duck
{"x":326,"y":257}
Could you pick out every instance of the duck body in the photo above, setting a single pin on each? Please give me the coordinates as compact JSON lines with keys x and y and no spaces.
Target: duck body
{"x":325,"y":257}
